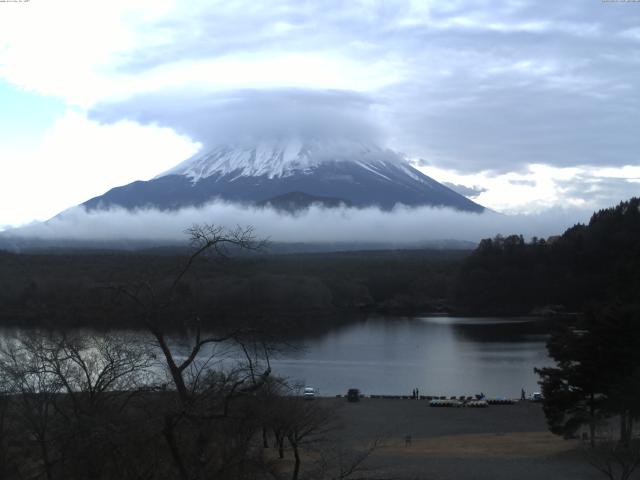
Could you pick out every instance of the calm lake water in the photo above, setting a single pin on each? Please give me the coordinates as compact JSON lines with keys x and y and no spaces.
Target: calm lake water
{"x":438,"y":355}
{"x":394,"y":355}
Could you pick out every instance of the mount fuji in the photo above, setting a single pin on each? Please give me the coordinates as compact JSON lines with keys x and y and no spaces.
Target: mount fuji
{"x":289,"y":174}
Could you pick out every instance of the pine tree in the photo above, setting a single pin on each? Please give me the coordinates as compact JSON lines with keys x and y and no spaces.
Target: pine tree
{"x":597,"y":373}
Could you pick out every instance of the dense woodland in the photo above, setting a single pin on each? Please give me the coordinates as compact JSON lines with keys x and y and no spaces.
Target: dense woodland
{"x":298,"y":290}
{"x":594,"y":263}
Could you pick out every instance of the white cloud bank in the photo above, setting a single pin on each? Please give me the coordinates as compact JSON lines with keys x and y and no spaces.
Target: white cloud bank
{"x":317,"y":224}
{"x":78,"y":159}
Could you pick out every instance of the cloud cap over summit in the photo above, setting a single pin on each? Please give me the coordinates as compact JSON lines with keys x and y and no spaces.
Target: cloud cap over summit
{"x":248,"y":116}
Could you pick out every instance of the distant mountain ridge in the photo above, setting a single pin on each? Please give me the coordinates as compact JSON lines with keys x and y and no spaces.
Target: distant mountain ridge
{"x":346,"y":172}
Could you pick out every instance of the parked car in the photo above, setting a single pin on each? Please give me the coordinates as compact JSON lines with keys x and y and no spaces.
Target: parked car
{"x":353,"y":395}
{"x":536,"y":397}
{"x":309,"y":393}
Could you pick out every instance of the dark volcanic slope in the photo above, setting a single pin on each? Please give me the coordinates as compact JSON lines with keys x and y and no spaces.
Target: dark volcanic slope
{"x":375,"y":183}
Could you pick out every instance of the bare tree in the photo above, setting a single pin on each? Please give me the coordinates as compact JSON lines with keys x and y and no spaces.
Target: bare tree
{"x":615,"y":460}
{"x":197,"y":432}
{"x":100,"y":375}
{"x":68,"y":394}
{"x":340,"y":460}
{"x":34,"y":392}
{"x":311,"y":427}
{"x":151,"y":303}
{"x":274,"y":416}
{"x":4,"y":449}
{"x":307,"y":422}
{"x":95,"y":370}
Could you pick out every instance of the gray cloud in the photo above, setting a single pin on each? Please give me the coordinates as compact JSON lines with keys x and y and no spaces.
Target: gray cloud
{"x":600,"y":191}
{"x":503,"y":128}
{"x":464,"y":190}
{"x":483,"y":85}
{"x":314,"y":225}
{"x":209,"y":29}
{"x":526,"y":183}
{"x":220,"y":117}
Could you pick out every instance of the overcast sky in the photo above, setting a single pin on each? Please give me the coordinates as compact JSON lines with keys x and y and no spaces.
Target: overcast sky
{"x":524,"y":105}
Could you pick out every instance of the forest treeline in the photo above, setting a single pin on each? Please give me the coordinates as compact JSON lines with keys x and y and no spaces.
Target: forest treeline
{"x":298,"y":290}
{"x":594,"y":263}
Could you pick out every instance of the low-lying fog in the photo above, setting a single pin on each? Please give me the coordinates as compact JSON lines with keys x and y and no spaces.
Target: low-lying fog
{"x":316,"y":224}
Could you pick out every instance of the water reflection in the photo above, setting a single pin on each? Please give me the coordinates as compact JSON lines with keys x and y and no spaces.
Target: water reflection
{"x":393,"y":355}
{"x":438,"y":355}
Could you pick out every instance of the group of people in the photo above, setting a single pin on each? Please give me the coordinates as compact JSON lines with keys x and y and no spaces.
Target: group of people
{"x":415,"y":394}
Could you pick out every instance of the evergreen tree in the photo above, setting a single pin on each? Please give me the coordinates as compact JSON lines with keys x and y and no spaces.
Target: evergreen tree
{"x":573,"y":391}
{"x":597,"y":373}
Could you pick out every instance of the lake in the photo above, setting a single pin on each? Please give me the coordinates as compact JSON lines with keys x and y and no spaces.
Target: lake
{"x":437,"y":355}
{"x":393,"y":355}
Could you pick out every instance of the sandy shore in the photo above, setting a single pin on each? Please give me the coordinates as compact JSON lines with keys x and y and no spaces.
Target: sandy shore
{"x":498,"y":442}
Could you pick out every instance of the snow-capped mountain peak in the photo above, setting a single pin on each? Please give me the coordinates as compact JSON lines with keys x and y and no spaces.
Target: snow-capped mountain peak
{"x":289,"y":171}
{"x":280,"y":158}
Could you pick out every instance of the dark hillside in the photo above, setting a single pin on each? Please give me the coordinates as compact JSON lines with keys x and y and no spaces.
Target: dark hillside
{"x":595,"y":262}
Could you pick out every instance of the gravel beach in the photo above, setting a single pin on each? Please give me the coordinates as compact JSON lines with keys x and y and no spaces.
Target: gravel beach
{"x":499,"y":442}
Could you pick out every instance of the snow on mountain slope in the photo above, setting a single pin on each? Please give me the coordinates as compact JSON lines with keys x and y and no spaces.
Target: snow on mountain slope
{"x":282,"y":158}
{"x":354,"y":173}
